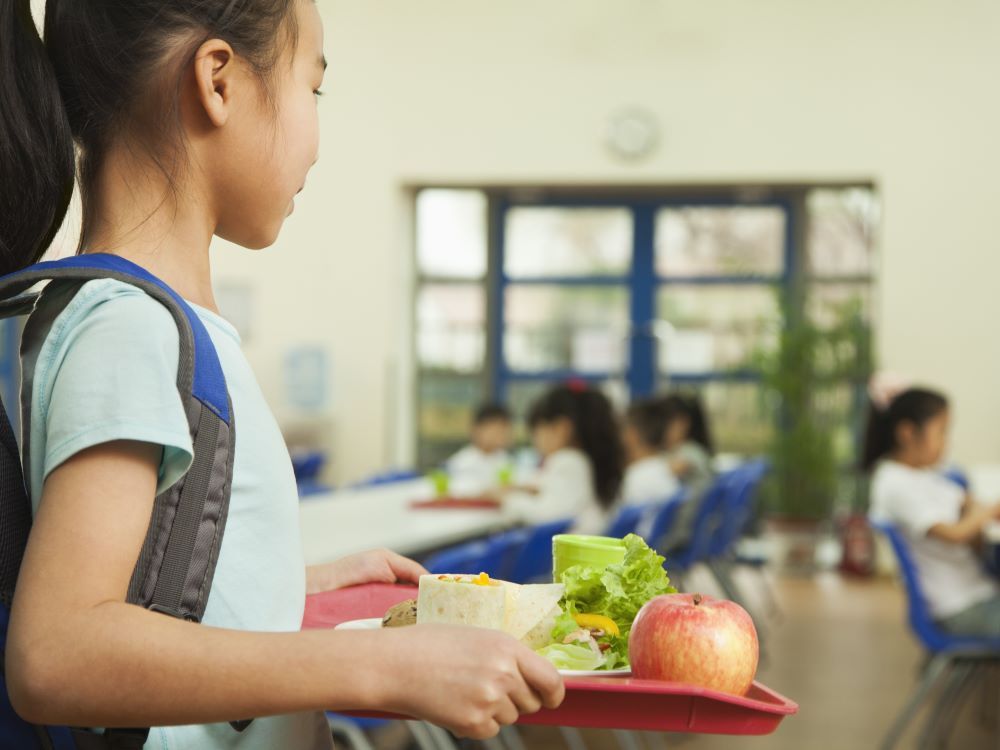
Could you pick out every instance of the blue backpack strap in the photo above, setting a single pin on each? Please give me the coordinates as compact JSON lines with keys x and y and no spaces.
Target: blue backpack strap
{"x":176,"y":565}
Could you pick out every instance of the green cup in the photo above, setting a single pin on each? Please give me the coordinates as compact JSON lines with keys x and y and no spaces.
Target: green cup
{"x":593,"y":551}
{"x":440,"y":481}
{"x":505,"y":475}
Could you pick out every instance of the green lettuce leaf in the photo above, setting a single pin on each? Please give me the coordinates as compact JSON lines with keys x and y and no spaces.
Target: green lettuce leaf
{"x":618,"y":592}
{"x":572,"y":656}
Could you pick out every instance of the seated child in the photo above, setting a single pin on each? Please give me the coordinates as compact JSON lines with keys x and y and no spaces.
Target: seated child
{"x":688,"y":445}
{"x":648,"y":477}
{"x":904,"y":446}
{"x":575,"y":432}
{"x":478,"y":466}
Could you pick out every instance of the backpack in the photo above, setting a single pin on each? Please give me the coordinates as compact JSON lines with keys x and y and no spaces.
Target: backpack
{"x":174,"y":572}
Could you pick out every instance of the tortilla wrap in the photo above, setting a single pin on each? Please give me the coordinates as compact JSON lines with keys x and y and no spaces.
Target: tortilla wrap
{"x":443,"y":599}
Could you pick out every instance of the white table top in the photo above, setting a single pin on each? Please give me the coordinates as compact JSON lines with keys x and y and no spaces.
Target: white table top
{"x":347,"y":521}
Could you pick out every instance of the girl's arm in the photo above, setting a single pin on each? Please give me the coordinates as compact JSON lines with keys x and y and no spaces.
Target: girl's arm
{"x":77,"y":654}
{"x":968,"y":528}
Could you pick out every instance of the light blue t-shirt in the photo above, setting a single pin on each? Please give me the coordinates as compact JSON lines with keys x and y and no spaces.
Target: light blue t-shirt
{"x":108,"y":371}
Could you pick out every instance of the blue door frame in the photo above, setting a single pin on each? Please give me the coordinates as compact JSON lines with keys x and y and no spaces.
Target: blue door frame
{"x":642,"y":283}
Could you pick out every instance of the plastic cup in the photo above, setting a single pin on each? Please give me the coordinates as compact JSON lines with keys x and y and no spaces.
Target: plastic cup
{"x":505,"y":475}
{"x":440,"y":481}
{"x":592,"y":551}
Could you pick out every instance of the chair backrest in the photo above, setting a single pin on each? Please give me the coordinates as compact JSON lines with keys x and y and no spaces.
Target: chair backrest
{"x":463,"y":558}
{"x":628,"y":518}
{"x":655,"y":528}
{"x":919,"y":613}
{"x":736,"y":507}
{"x":387,"y":477}
{"x":707,"y":518}
{"x":534,"y":559}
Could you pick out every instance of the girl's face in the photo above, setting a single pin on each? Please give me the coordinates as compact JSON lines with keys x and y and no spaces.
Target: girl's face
{"x":271,"y":149}
{"x":925,"y":445}
{"x":549,"y":437}
{"x":677,"y":432}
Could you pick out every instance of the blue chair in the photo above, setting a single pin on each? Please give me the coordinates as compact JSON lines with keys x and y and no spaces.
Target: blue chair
{"x":654,"y":527}
{"x":628,"y":520}
{"x":391,"y":476}
{"x":462,"y":558}
{"x":534,"y":559}
{"x":706,"y":518}
{"x":961,"y":658}
{"x":957,"y":475}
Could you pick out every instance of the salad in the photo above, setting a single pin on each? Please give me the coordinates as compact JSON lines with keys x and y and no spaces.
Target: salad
{"x":598,"y":607}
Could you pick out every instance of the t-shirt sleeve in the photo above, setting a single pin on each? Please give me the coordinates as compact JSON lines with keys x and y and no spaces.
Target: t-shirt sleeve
{"x":115,"y":378}
{"x":919,"y":507}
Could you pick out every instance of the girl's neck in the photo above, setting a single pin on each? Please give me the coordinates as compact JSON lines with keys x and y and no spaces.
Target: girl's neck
{"x":906,"y":459}
{"x":135,"y":215}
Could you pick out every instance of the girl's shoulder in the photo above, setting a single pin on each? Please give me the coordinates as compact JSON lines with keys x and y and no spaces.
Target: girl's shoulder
{"x":106,"y":312}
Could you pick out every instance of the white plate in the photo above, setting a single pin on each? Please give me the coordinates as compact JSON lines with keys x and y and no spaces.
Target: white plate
{"x":375,"y":623}
{"x":620,"y":672}
{"x":371,"y":623}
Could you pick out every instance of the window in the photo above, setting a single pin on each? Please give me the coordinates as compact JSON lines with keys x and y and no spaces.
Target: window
{"x":635,"y":291}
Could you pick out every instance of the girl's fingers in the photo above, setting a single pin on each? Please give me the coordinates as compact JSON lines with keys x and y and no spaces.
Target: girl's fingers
{"x":406,"y":569}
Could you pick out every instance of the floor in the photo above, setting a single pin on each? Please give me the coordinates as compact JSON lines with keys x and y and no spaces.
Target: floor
{"x":842,"y":652}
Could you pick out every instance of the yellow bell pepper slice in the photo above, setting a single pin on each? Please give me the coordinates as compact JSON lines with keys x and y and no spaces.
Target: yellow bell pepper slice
{"x":597,"y":621}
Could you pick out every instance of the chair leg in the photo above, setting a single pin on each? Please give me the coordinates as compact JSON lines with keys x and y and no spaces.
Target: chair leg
{"x":935,"y":668}
{"x":627,"y":740}
{"x":774,"y":611}
{"x":573,"y":738}
{"x":428,"y":739}
{"x":945,"y":711}
{"x":511,"y":738}
{"x":356,"y":739}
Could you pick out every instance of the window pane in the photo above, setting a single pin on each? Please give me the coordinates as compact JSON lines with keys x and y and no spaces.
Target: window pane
{"x":720,"y":241}
{"x":548,"y":241}
{"x":835,"y":304}
{"x":447,"y":402}
{"x":451,"y":326}
{"x":842,"y":225}
{"x":576,"y":328}
{"x":715,"y":328}
{"x":451,"y":233}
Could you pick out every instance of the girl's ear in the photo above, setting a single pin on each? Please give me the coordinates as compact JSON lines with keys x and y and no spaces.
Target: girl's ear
{"x":214,"y":72}
{"x":906,"y":433}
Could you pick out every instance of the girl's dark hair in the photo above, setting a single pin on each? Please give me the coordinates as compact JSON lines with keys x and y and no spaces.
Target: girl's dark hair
{"x":107,"y":69}
{"x":489,"y":412}
{"x":595,"y":429}
{"x":648,"y":417}
{"x":688,"y":406}
{"x":915,"y":405}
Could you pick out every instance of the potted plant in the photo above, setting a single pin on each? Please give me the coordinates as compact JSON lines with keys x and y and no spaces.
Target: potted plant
{"x":812,"y":380}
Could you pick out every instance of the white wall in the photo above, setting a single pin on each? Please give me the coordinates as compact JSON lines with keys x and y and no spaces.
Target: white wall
{"x":904,"y":93}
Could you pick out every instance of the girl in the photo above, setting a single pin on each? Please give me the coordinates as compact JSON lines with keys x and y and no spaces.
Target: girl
{"x":192,"y":118}
{"x":648,"y":477}
{"x":688,"y":446}
{"x":687,"y":440}
{"x":904,"y":446}
{"x":573,"y":429}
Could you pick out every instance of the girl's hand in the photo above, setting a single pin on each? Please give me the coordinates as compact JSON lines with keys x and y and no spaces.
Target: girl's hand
{"x":470,"y":681}
{"x":374,"y":566}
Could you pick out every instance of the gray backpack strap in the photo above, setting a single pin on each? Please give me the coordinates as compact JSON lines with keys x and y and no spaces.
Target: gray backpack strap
{"x":177,"y":563}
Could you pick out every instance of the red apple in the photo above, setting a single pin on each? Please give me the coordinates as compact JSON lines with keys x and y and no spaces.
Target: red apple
{"x":694,"y":639}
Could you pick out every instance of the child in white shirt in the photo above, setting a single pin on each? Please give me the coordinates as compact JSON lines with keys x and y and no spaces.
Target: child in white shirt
{"x":904,"y":446}
{"x":575,"y":432}
{"x":648,"y":477}
{"x":479,"y":466}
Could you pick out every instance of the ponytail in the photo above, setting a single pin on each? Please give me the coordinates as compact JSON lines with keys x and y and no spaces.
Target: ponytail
{"x":914,"y":405}
{"x":36,"y":147}
{"x":595,"y":429}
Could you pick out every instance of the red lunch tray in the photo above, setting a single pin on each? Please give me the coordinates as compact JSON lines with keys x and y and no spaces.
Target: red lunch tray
{"x":594,"y":702}
{"x":457,"y":503}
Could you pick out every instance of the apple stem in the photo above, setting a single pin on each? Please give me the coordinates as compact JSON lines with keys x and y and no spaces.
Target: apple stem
{"x":696,"y":599}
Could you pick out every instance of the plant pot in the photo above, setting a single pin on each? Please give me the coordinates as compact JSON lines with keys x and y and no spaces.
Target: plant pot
{"x":801,"y":546}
